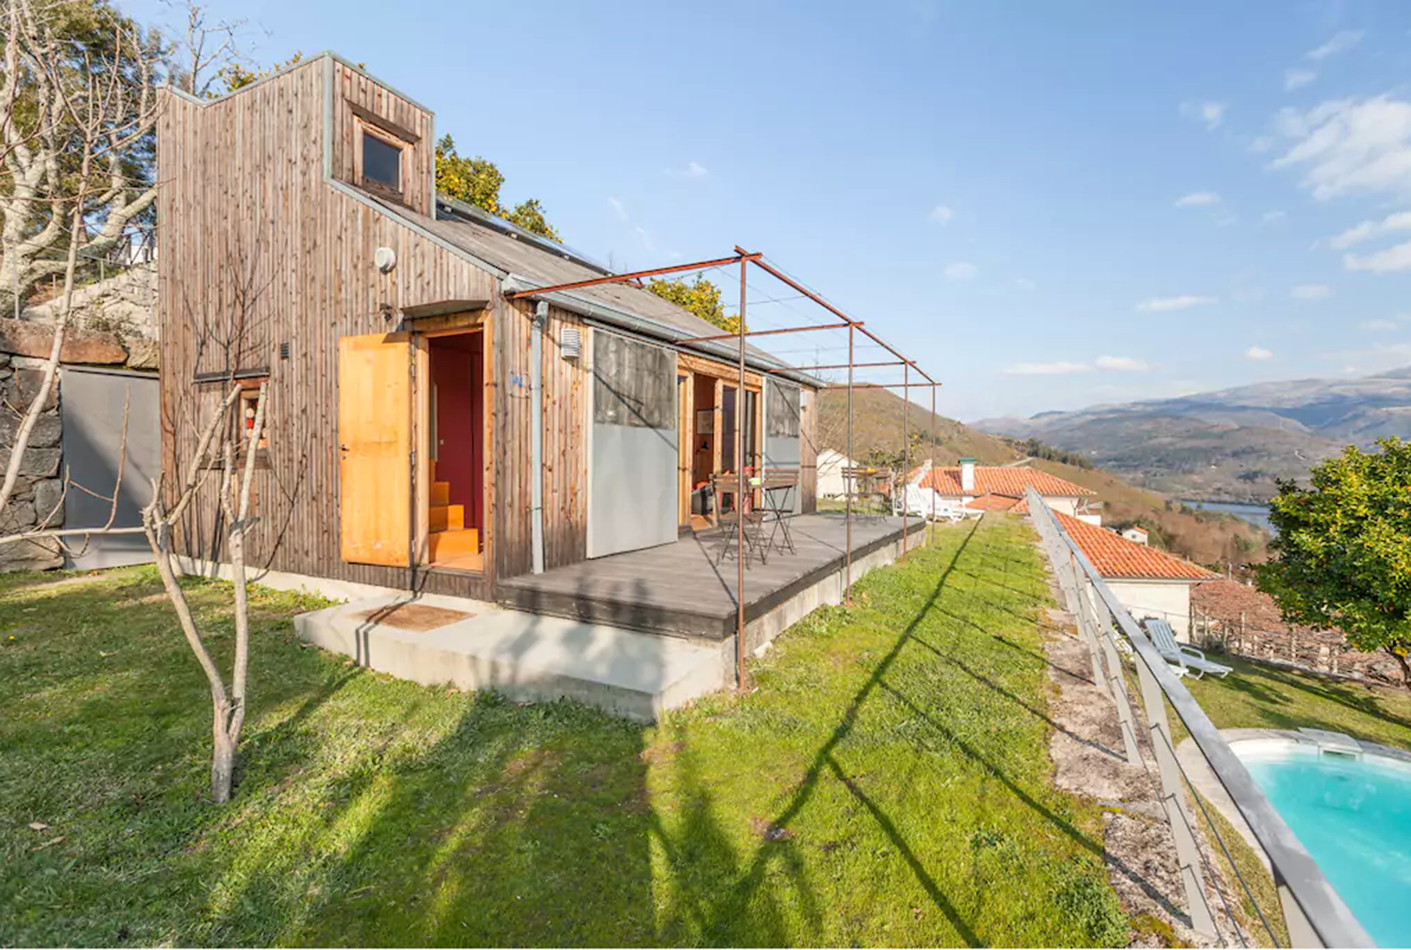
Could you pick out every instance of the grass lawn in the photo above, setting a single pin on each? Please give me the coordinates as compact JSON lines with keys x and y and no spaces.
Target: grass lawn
{"x":1266,"y":697}
{"x":888,"y":783}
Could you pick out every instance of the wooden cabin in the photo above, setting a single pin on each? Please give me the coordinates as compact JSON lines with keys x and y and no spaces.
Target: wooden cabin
{"x":303,"y":245}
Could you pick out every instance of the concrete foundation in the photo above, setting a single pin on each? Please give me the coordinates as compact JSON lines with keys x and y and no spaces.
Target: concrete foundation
{"x":637,"y":674}
{"x":524,"y":656}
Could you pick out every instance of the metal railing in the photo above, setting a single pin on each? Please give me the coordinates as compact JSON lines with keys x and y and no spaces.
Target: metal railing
{"x":1315,"y":914}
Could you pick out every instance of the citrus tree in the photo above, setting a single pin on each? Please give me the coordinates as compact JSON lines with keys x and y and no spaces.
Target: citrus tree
{"x":699,"y":296}
{"x":477,"y":181}
{"x":1344,"y":549}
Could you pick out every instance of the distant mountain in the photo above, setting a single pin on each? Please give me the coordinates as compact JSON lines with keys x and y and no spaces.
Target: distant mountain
{"x":1229,"y":444}
{"x":877,"y":424}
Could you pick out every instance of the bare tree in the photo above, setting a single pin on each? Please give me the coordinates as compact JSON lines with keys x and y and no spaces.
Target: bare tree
{"x":61,"y":57}
{"x":205,"y":51}
{"x":104,"y":109}
{"x":228,"y":703}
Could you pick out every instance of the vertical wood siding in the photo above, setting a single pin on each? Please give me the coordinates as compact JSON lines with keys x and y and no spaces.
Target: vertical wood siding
{"x":565,"y":388}
{"x":251,"y":233}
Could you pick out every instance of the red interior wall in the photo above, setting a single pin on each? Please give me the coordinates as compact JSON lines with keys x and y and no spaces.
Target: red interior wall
{"x":474,"y":509}
{"x":460,"y":393}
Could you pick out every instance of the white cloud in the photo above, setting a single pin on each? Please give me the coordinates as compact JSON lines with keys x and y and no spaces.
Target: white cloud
{"x":1270,"y":217}
{"x":1395,"y":258}
{"x":1298,"y":78}
{"x":1057,"y":368}
{"x":1198,"y":199}
{"x":1400,"y":221}
{"x":692,"y":169}
{"x":1122,"y":364}
{"x":1263,"y":143}
{"x":1340,"y":43}
{"x":960,"y":270}
{"x":1183,"y":302}
{"x":1025,"y":283}
{"x":618,"y":208}
{"x":647,"y":241}
{"x":1111,"y":364}
{"x":1211,"y":114}
{"x":1348,"y":146}
{"x":1378,"y":326}
{"x":942,"y":213}
{"x":1310,"y":291}
{"x":1258,"y":354}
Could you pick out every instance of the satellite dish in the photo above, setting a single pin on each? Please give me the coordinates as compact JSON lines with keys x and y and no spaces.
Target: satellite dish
{"x":385,"y":259}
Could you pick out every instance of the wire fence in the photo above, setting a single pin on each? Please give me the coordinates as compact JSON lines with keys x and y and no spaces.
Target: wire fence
{"x":1318,"y":651}
{"x":1143,"y":688}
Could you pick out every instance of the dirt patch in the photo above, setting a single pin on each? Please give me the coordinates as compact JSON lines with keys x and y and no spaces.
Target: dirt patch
{"x":416,"y":618}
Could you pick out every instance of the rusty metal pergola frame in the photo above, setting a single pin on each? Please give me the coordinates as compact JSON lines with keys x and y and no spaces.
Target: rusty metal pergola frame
{"x":744,"y":259}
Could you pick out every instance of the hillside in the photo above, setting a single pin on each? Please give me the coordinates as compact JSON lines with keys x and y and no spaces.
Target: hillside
{"x":1204,"y":537}
{"x":877,"y":425}
{"x":1231,"y":444}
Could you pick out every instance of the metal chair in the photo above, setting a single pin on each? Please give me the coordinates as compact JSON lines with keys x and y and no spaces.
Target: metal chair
{"x":730,"y":521}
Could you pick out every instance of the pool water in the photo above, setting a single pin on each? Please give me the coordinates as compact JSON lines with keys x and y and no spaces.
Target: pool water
{"x":1354,"y":817}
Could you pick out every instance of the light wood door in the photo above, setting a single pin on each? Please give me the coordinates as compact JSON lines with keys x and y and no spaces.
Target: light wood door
{"x":374,"y":448}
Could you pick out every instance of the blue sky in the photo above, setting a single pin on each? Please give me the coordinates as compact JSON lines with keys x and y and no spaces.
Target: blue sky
{"x":1050,"y":205}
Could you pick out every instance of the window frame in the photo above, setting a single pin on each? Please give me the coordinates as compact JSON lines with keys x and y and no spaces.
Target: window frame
{"x":391,"y":140}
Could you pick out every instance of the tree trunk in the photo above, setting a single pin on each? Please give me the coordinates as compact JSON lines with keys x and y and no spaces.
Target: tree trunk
{"x":1405,"y":667}
{"x":222,"y":753}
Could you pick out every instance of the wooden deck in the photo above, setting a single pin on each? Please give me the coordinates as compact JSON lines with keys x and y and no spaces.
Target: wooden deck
{"x":679,"y":588}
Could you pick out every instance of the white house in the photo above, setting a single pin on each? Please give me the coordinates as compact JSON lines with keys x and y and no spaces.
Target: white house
{"x":830,"y":473}
{"x":1148,"y":582}
{"x":1136,"y":535}
{"x":1000,"y":488}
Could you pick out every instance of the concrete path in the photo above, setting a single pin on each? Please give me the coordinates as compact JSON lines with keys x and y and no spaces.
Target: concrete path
{"x":475,"y":645}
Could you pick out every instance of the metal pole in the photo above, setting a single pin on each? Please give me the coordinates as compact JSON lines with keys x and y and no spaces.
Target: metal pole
{"x":931,"y":453}
{"x":847,"y":517}
{"x":740,"y":499}
{"x":905,"y":455}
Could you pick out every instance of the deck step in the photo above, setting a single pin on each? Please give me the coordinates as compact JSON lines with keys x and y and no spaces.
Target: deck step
{"x":447,"y":517}
{"x":453,"y":543}
{"x":440,"y":494}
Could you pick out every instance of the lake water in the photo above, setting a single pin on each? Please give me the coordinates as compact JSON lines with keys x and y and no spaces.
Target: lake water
{"x":1258,"y":514}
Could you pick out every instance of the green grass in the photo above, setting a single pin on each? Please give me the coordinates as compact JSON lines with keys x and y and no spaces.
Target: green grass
{"x":887,"y":783}
{"x":1266,"y":697}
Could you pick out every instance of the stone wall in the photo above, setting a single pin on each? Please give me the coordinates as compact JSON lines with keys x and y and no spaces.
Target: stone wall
{"x":40,"y":488}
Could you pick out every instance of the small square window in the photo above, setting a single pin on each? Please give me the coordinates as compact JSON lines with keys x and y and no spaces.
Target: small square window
{"x":382,"y":162}
{"x":249,"y":406}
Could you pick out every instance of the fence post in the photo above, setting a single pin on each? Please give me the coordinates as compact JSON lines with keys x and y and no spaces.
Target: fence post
{"x":1080,"y":617}
{"x":1174,"y":801}
{"x":1119,"y":692}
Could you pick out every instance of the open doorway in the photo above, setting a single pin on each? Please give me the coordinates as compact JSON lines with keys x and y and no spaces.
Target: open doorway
{"x":457,"y":451}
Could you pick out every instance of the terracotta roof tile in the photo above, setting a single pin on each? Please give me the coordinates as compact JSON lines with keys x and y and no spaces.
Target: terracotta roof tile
{"x":994,"y":480}
{"x":1008,"y":503}
{"x":1114,"y":556}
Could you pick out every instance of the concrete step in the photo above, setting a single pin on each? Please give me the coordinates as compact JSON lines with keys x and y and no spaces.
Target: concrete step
{"x":440,"y":493}
{"x":522,"y":656}
{"x":453,"y":543}
{"x":447,"y":517}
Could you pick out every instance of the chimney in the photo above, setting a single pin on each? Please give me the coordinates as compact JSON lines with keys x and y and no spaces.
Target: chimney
{"x":967,"y":476}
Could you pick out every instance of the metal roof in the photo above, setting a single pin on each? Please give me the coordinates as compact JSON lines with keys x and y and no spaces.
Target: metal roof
{"x":532,"y":261}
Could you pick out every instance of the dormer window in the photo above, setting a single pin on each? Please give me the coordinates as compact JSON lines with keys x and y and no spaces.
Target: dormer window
{"x":381,"y":162}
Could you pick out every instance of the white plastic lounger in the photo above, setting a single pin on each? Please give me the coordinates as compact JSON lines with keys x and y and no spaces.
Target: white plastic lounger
{"x":1186,"y":659}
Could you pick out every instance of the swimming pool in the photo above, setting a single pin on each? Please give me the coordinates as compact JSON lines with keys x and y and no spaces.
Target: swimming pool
{"x":1353,"y":814}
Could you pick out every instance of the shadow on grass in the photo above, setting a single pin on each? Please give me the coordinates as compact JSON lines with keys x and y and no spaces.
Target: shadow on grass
{"x":824,"y":760}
